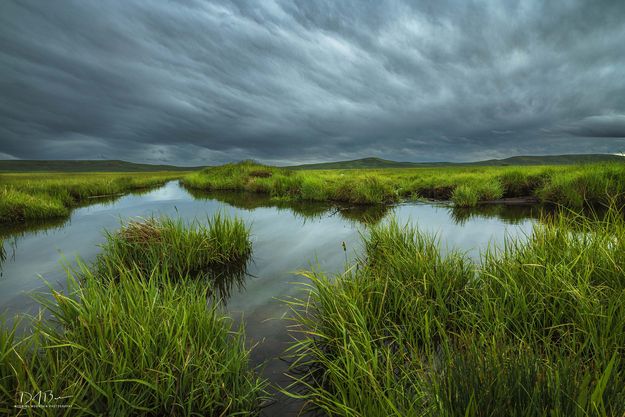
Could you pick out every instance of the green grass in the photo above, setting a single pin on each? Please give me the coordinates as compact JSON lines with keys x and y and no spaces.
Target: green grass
{"x":135,"y":335}
{"x":133,"y":347}
{"x":17,"y":206}
{"x":217,"y":251}
{"x":535,"y":329}
{"x":364,"y":188}
{"x":36,"y":196}
{"x":573,"y":186}
{"x":465,"y":196}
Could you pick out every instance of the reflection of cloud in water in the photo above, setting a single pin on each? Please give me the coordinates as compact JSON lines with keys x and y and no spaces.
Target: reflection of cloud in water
{"x":170,"y":191}
{"x":472,"y":235}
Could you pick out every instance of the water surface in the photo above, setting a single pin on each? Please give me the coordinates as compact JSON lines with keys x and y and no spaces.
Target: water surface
{"x":286,"y":238}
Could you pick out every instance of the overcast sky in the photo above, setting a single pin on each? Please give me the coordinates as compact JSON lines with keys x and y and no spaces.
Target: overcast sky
{"x":206,"y":82}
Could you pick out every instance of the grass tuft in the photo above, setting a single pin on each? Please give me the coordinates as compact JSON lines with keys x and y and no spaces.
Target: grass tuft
{"x":218,"y":250}
{"x":133,"y":347}
{"x":465,"y":196}
{"x":535,"y":329}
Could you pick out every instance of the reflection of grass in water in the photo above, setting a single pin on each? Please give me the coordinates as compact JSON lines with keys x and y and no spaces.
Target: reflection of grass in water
{"x":252,"y":201}
{"x":310,"y":210}
{"x":16,"y":230}
{"x":3,"y":253}
{"x":510,"y":214}
{"x":368,"y":215}
{"x":11,"y":232}
{"x":516,"y":214}
{"x":535,"y":329}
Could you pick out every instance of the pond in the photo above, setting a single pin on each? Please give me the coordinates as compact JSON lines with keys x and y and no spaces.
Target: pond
{"x":286,"y":238}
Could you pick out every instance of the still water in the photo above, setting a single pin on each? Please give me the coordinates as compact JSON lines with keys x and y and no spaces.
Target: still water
{"x":286,"y":238}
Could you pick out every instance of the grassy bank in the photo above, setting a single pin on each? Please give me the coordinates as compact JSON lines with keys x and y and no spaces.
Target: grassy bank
{"x":48,"y":195}
{"x":535,"y":330}
{"x":359,"y":188}
{"x":570,"y":186}
{"x":138,"y":337}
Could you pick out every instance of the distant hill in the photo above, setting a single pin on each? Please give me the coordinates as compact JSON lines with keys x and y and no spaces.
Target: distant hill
{"x":18,"y":165}
{"x":367,"y":163}
{"x":515,"y":160}
{"x":553,"y":160}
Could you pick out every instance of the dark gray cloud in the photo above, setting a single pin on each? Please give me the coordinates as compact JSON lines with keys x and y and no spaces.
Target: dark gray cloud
{"x":605,"y":126}
{"x":193,"y":82}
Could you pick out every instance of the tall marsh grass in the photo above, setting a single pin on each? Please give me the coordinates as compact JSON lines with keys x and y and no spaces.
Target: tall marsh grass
{"x":569,"y":186}
{"x":132,"y":347}
{"x":284,"y":183}
{"x":535,"y":329}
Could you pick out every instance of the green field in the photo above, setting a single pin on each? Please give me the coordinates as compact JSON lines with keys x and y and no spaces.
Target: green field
{"x":39,"y":196}
{"x":573,"y":186}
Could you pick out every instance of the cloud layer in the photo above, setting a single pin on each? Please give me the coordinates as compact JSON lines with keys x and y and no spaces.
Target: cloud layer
{"x":202,"y":82}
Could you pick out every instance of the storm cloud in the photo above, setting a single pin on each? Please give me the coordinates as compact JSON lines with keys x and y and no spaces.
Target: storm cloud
{"x":205,"y":82}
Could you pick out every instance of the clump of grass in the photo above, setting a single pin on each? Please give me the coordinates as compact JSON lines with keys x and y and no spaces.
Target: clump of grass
{"x":368,"y":189}
{"x":490,"y":190}
{"x":598,"y":185}
{"x":243,"y":176}
{"x":470,"y":194}
{"x":313,"y":189}
{"x":534,"y":330}
{"x":522,"y":183}
{"x":133,"y":347}
{"x":221,"y":247}
{"x":465,"y":196}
